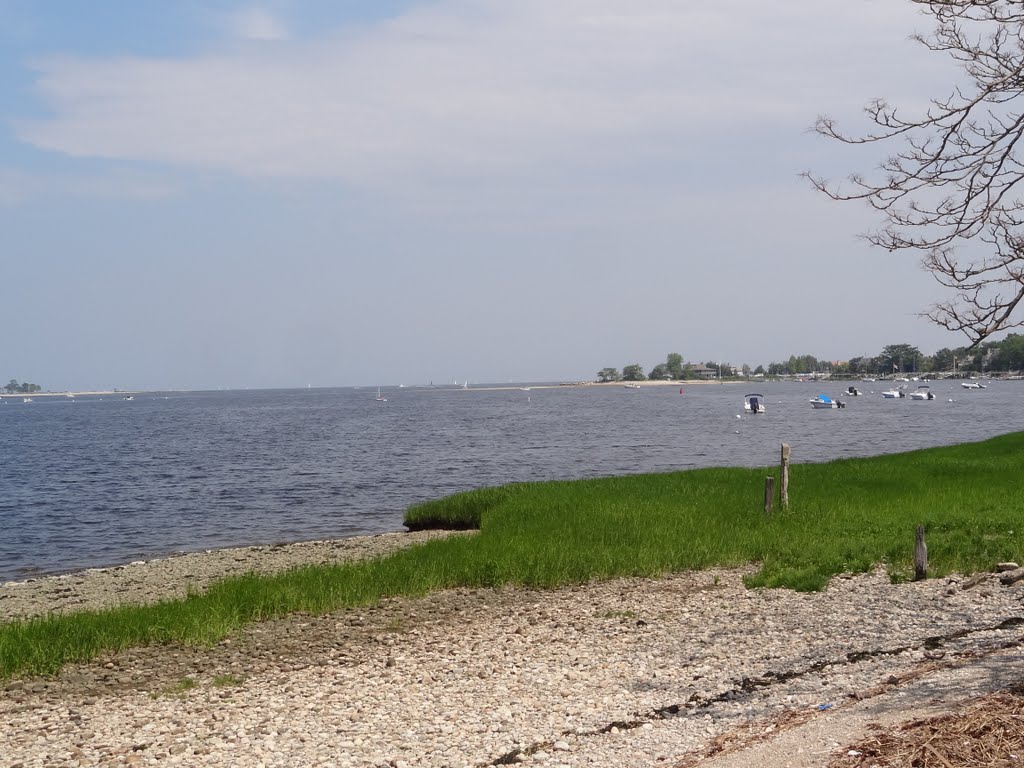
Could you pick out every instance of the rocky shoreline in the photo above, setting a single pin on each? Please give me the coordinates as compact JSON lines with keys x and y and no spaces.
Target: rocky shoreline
{"x":147,"y":581}
{"x":689,"y":668}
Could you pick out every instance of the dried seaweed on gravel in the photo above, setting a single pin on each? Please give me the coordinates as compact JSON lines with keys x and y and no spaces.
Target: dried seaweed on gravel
{"x":746,"y":736}
{"x":989,"y":733}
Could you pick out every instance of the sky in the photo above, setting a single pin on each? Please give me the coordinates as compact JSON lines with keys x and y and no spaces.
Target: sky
{"x":218,"y":194}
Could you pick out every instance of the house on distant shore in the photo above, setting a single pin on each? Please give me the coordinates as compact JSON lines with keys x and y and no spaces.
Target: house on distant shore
{"x":701,"y":371}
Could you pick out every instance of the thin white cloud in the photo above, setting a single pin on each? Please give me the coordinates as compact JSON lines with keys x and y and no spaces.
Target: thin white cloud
{"x":257,"y":24}
{"x":466,"y":88}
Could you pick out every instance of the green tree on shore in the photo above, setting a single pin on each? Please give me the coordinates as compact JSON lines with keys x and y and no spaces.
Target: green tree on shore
{"x":674,"y":363}
{"x":24,"y":388}
{"x":901,"y":357}
{"x":633,"y":372}
{"x":608,"y":374}
{"x":660,"y":372}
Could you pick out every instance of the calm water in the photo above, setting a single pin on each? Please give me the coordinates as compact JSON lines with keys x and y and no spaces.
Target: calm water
{"x":92,"y":481}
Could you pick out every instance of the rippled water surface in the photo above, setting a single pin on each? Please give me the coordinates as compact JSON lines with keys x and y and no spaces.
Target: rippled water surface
{"x":94,"y":481}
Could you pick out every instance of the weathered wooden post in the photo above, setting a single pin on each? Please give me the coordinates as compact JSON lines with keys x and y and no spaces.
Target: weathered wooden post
{"x":769,"y":494}
{"x":920,"y":555}
{"x":784,"y":484}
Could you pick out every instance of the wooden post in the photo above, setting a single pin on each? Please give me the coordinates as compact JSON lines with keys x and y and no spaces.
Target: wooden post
{"x":769,"y":494}
{"x":784,"y":485}
{"x":920,"y":555}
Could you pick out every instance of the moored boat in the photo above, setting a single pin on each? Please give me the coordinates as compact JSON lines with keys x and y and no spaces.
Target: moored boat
{"x":824,"y":401}
{"x":922,"y":393}
{"x":753,"y":403}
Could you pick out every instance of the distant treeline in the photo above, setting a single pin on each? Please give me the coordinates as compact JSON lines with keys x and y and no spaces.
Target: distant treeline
{"x":990,"y":356}
{"x":23,"y":388}
{"x":674,"y":368}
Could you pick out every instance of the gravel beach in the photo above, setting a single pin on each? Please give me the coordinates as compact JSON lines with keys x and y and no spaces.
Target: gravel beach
{"x":691,"y":668}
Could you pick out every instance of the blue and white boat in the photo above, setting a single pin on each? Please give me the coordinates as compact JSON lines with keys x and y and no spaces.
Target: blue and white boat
{"x":824,"y":401}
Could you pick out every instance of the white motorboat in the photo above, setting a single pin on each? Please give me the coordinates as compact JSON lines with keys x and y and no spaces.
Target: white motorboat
{"x":892,"y":394}
{"x":753,"y":403}
{"x":26,"y":399}
{"x":922,"y":393}
{"x":853,"y":391}
{"x":824,"y":401}
{"x":631,"y":386}
{"x":972,"y":385}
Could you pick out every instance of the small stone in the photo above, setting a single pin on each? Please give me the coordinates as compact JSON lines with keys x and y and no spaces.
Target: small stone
{"x":561,"y":746}
{"x":1004,"y":567}
{"x":390,"y":662}
{"x":1012,"y":577}
{"x":974,"y":580}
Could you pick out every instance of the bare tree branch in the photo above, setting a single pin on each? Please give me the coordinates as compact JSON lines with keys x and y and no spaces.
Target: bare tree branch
{"x":956,"y":174}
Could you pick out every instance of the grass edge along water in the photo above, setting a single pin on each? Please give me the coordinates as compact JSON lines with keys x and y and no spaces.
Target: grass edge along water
{"x":844,"y":516}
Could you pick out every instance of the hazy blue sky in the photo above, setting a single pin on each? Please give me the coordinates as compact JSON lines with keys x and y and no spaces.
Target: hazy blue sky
{"x":329,"y":192}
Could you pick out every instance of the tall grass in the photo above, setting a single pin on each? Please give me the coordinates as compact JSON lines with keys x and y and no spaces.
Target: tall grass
{"x":843,"y":516}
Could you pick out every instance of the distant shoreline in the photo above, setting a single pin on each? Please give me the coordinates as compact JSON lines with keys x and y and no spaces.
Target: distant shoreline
{"x":70,"y":394}
{"x":452,"y":387}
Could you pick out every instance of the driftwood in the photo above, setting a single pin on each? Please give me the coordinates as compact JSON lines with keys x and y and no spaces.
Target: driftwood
{"x":784,"y":485}
{"x":920,"y":555}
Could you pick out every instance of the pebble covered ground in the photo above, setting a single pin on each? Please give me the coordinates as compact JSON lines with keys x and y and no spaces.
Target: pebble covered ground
{"x":631,"y":672}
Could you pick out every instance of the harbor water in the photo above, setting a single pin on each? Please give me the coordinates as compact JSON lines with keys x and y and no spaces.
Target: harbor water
{"x":100,"y":480}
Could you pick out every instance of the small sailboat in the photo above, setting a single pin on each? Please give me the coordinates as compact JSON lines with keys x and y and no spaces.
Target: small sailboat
{"x":380,"y":398}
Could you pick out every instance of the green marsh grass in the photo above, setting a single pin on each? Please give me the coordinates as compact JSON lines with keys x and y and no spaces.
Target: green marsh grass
{"x":226,"y":681}
{"x":844,"y":516}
